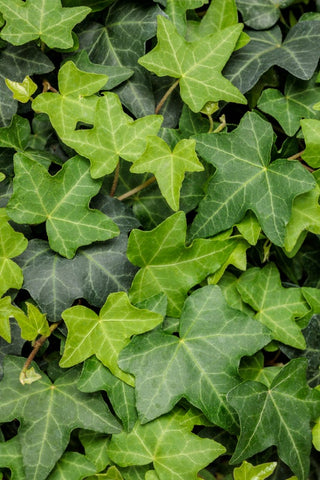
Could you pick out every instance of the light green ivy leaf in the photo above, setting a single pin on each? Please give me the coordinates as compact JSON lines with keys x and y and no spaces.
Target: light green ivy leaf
{"x":33,"y":19}
{"x":258,"y":472}
{"x":106,"y":334}
{"x":32,"y":324}
{"x":168,"y":266}
{"x":198,"y":73}
{"x":61,"y":201}
{"x":311,"y":133}
{"x":168,"y":167}
{"x":22,"y":91}
{"x":12,"y":244}
{"x":277,"y":307}
{"x":183,"y":453}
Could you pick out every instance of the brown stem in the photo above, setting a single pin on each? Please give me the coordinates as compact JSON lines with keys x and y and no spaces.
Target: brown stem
{"x":296,"y":155}
{"x":36,"y":347}
{"x":115,"y":180}
{"x":47,"y":86}
{"x":165,"y":96}
{"x":137,"y":189}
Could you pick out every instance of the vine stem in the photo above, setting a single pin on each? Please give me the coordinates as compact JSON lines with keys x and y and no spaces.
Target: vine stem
{"x":115,"y":180}
{"x":165,"y":96}
{"x":36,"y":347}
{"x":296,"y":155}
{"x":137,"y":189}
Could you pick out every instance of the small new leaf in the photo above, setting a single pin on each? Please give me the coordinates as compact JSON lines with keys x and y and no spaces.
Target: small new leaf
{"x":258,"y":472}
{"x":33,"y":19}
{"x":106,"y":334}
{"x":22,"y":91}
{"x":198,"y":71}
{"x":61,"y":201}
{"x":169,"y":167}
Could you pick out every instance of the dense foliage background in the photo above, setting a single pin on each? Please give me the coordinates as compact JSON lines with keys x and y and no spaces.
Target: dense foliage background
{"x":159,"y":239}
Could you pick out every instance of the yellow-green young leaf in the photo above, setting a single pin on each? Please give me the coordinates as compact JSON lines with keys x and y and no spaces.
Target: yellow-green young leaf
{"x":12,"y":244}
{"x":201,"y":364}
{"x":277,"y":307}
{"x":311,"y":133}
{"x":316,"y":435}
{"x":168,"y":266}
{"x":47,"y":20}
{"x":33,"y":324}
{"x":2,"y":176}
{"x":7,"y":310}
{"x":106,"y":334}
{"x":246,"y":179}
{"x":249,"y":472}
{"x":305,"y":216}
{"x":182,"y":455}
{"x":198,"y":72}
{"x":168,"y":167}
{"x":112,"y":474}
{"x":61,"y":201}
{"x":41,"y":407}
{"x":22,"y":91}
{"x":279,"y":415}
{"x":29,"y":376}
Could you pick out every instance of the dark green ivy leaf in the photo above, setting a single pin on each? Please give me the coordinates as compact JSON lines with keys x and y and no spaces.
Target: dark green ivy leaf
{"x":262,"y":14}
{"x":266,"y":49}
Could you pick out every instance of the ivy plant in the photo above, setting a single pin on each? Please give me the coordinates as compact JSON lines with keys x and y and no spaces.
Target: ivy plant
{"x":159,"y":239}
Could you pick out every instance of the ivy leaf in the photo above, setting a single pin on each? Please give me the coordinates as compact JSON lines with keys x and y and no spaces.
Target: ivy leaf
{"x":113,"y":135}
{"x":12,"y":244}
{"x":168,"y":167}
{"x":72,"y":466}
{"x":311,"y":133}
{"x":120,"y":42}
{"x":7,"y":310}
{"x":60,"y":404}
{"x":22,"y":91}
{"x":305,"y":217}
{"x":266,"y":49}
{"x":16,"y":63}
{"x":262,"y":15}
{"x":246,"y":180}
{"x":115,"y":74}
{"x":297,"y":102}
{"x":32,"y":324}
{"x":33,"y":19}
{"x":61,"y":201}
{"x":17,"y":135}
{"x":16,"y":341}
{"x":168,"y":266}
{"x":277,"y":307}
{"x":187,"y":62}
{"x":106,"y":334}
{"x":76,"y":99}
{"x":95,"y":446}
{"x":249,"y":472}
{"x":183,"y":454}
{"x":200,"y":365}
{"x":55,"y":282}
{"x":287,"y":407}
{"x":10,"y":457}
{"x":95,"y":376}
{"x":176,"y":11}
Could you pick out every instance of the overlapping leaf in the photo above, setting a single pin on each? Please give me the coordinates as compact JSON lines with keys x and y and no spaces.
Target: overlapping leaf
{"x":311,"y":133}
{"x":258,"y":472}
{"x":263,"y":14}
{"x":277,"y":307}
{"x":61,"y":403}
{"x":55,"y":282}
{"x":266,"y":49}
{"x":199,"y":365}
{"x":198,"y":71}
{"x":246,"y":180}
{"x":168,"y":266}
{"x":10,"y":457}
{"x":279,"y":415}
{"x":12,"y":244}
{"x":120,"y":42}
{"x":169,"y":444}
{"x":106,"y":334}
{"x":95,"y":376}
{"x":176,"y":11}
{"x":297,"y":102}
{"x":33,"y":19}
{"x":168,"y":167}
{"x":95,"y":446}
{"x":16,"y":63}
{"x":61,"y":201}
{"x":72,"y":466}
